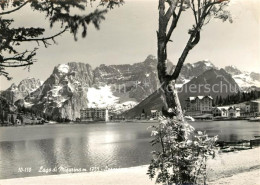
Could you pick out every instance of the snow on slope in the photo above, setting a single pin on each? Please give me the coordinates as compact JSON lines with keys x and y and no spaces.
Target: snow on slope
{"x":180,"y":85}
{"x":208,"y":63}
{"x":244,"y":80}
{"x":103,"y":97}
{"x":63,"y":68}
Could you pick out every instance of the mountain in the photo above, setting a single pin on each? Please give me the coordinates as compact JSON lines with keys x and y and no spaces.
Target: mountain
{"x":189,"y":71}
{"x":244,"y":79}
{"x":233,"y":70}
{"x":64,"y":93}
{"x":74,"y":86}
{"x":212,"y":82}
{"x":20,"y":91}
{"x":126,"y":78}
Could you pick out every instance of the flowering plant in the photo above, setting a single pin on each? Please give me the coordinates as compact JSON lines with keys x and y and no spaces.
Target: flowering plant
{"x":182,"y":155}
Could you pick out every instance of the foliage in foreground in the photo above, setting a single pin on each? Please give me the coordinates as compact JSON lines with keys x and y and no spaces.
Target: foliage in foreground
{"x":57,"y":12}
{"x":183,"y":153}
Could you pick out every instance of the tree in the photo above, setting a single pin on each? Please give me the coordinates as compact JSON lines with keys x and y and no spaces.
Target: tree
{"x":12,"y":119}
{"x":203,"y":11}
{"x":180,"y":155}
{"x":220,"y":101}
{"x":2,"y":116}
{"x":5,"y":116}
{"x":21,"y":118}
{"x":216,"y":101}
{"x":57,"y":12}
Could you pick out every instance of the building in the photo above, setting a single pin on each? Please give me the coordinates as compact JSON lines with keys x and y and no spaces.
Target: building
{"x":198,"y":105}
{"x":226,"y":112}
{"x":233,"y":112}
{"x":220,"y":112}
{"x":255,"y":108}
{"x":245,"y":110}
{"x":155,"y":114}
{"x":94,"y":114}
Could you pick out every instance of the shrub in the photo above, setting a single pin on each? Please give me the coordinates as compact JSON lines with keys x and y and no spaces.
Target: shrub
{"x":182,"y":156}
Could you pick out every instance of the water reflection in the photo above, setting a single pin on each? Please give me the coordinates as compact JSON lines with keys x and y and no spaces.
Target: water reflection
{"x":96,"y":145}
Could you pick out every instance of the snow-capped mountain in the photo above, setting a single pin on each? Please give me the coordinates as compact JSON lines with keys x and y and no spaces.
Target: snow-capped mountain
{"x":20,"y":91}
{"x":74,"y":86}
{"x":212,"y":82}
{"x":244,"y":79}
{"x":64,"y":93}
{"x":189,"y":71}
{"x":137,"y":80}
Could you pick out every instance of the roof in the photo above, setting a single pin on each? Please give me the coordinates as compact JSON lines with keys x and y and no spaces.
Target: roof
{"x":234,"y":108}
{"x":255,"y":101}
{"x":191,"y":98}
{"x":86,"y":109}
{"x":202,"y":97}
{"x":222,"y":108}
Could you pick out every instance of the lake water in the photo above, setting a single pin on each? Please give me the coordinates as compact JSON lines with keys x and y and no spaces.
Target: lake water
{"x":53,"y":149}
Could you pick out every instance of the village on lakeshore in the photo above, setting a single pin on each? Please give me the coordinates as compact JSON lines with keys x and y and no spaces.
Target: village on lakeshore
{"x":72,"y":95}
{"x":199,"y":108}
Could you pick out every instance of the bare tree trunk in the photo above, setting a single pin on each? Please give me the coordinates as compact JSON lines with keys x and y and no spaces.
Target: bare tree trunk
{"x":179,"y":113}
{"x":170,"y":95}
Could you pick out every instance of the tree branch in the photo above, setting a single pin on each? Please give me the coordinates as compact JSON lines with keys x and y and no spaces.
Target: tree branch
{"x":194,"y":37}
{"x":194,"y":12}
{"x":44,"y":39}
{"x":11,"y":11}
{"x":193,"y":40}
{"x":174,"y":23}
{"x":17,"y":65}
{"x":171,"y":9}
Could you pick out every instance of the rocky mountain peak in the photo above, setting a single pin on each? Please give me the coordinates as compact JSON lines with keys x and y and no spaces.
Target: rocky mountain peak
{"x":255,"y":76}
{"x":73,"y":86}
{"x":233,"y":70}
{"x":203,"y":64}
{"x":29,"y":84}
{"x":151,"y":57}
{"x":20,"y":91}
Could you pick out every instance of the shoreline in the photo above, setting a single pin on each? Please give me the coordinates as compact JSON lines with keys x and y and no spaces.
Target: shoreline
{"x":236,"y":168}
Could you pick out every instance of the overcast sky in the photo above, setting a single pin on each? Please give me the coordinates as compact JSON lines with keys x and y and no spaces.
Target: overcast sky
{"x":128,"y":35}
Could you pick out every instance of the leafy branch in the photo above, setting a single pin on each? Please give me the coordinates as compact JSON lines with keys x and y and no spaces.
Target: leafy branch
{"x":57,"y":12}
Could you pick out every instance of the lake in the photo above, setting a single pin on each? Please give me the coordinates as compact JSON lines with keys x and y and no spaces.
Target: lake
{"x":54,"y":149}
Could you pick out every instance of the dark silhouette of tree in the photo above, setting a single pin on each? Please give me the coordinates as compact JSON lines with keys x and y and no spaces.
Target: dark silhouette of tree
{"x":12,"y":119}
{"x":220,"y":101}
{"x":243,"y":96}
{"x":2,"y":116}
{"x":216,"y":101}
{"x":57,"y":12}
{"x":237,"y":98}
{"x":5,"y":116}
{"x":21,"y":118}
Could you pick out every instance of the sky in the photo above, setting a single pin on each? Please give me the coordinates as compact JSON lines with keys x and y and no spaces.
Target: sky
{"x":128,"y":35}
